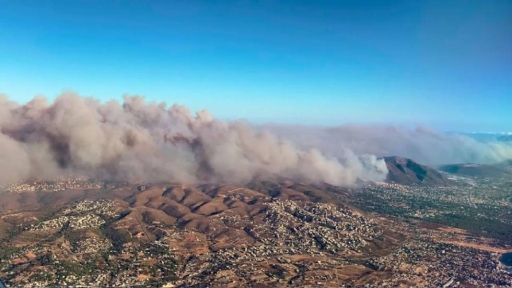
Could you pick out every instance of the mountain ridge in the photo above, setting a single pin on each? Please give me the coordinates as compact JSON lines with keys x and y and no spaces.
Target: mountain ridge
{"x":498,"y":170}
{"x":406,"y":171}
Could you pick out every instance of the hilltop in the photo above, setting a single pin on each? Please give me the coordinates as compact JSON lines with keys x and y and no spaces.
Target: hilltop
{"x":408,"y":172}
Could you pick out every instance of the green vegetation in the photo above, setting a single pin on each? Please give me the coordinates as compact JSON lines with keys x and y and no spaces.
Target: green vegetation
{"x":117,"y":236}
{"x":480,"y":226}
{"x":7,"y":251}
{"x":73,"y":236}
{"x":479,"y":209}
{"x":70,"y":268}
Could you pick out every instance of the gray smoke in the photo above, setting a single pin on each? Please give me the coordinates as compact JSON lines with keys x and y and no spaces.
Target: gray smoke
{"x":139,"y":141}
{"x":421,"y":144}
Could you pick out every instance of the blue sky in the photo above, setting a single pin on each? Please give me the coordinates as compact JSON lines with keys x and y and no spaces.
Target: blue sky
{"x":447,"y":64}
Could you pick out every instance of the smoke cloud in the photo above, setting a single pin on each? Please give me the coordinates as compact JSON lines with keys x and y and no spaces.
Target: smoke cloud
{"x":421,"y":144}
{"x":140,"y":141}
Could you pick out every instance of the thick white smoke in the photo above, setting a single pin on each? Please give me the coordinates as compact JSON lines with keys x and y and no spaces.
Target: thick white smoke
{"x":420,"y":144}
{"x":139,"y":141}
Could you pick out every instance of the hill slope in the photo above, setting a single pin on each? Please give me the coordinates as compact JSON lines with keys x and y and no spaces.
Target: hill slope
{"x":408,"y":172}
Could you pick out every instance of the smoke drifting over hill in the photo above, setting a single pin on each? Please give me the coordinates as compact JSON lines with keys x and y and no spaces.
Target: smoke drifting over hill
{"x":421,"y":144}
{"x":139,"y":141}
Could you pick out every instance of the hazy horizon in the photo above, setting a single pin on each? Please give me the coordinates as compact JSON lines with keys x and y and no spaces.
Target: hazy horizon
{"x":469,"y":130}
{"x":139,"y":140}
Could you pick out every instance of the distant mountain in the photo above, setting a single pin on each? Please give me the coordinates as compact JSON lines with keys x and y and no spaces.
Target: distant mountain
{"x":408,"y":172}
{"x":478,"y":170}
{"x":505,"y":138}
{"x":488,"y":137}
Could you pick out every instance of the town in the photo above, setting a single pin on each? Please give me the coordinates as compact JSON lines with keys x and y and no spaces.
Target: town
{"x":283,"y":242}
{"x":59,"y":184}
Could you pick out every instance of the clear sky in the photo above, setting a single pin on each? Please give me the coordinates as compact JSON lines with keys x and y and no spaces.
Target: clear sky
{"x":447,"y":64}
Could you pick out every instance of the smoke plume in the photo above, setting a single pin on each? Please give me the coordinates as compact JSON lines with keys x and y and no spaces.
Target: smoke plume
{"x":420,"y":144}
{"x":139,"y":141}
